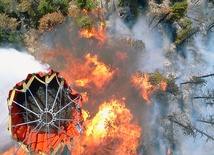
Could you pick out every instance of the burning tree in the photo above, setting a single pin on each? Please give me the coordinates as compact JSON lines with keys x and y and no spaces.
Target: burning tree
{"x":153,"y":82}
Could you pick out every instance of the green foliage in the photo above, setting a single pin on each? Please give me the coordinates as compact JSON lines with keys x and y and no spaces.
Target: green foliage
{"x":133,"y":4}
{"x":8,"y":30}
{"x":15,"y":37}
{"x":156,"y":78}
{"x":63,"y":5}
{"x":45,"y":7}
{"x":33,"y":10}
{"x":178,"y":11}
{"x":5,"y":6}
{"x":17,"y":16}
{"x":25,"y":6}
{"x":88,"y":5}
{"x":187,"y":23}
{"x":84,"y":22}
{"x":2,"y":34}
{"x":7,"y":23}
{"x":28,"y":9}
{"x":181,"y":35}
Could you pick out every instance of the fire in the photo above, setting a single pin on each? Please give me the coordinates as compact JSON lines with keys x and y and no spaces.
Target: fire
{"x":142,"y":81}
{"x":82,"y":82}
{"x":168,"y":151}
{"x":85,"y":114}
{"x":85,"y":11}
{"x":86,"y":72}
{"x":96,"y":72}
{"x":163,"y":85}
{"x":84,"y":96}
{"x":146,"y":87}
{"x":98,"y":33}
{"x":86,"y":33}
{"x":109,"y":131}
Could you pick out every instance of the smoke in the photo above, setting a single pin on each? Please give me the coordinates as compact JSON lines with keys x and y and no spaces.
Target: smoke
{"x":156,"y":45}
{"x":117,"y":27}
{"x":14,"y":67}
{"x":66,"y":53}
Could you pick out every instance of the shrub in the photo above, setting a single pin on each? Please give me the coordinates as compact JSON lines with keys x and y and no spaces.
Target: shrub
{"x":25,"y":6}
{"x":5,"y":6}
{"x":84,"y":22}
{"x":15,"y":37}
{"x":88,"y":5}
{"x":181,"y":36}
{"x":63,"y":5}
{"x":178,"y":11}
{"x":156,"y":78}
{"x":2,"y":34}
{"x":45,"y":7}
{"x":73,"y":12}
{"x":51,"y":19}
{"x":8,"y":24}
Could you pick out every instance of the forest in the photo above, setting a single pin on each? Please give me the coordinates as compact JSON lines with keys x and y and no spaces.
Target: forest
{"x":149,"y":62}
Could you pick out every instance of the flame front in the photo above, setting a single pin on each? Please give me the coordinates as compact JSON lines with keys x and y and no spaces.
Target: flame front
{"x":142,"y":81}
{"x":98,"y":33}
{"x":109,"y":132}
{"x":95,"y":72}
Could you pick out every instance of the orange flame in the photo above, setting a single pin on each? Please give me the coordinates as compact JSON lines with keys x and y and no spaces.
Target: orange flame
{"x":85,"y":73}
{"x":109,"y":131}
{"x":96,"y":72}
{"x":163,"y":85}
{"x":147,"y":89}
{"x":99,"y":33}
{"x":85,"y":11}
{"x":84,"y":96}
{"x":168,"y":151}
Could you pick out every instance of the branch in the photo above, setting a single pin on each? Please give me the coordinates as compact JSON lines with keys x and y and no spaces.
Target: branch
{"x":203,"y":133}
{"x":189,"y":129}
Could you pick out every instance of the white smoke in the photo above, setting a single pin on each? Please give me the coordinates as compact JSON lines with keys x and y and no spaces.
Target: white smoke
{"x":155,"y":46}
{"x":14,"y":67}
{"x":198,"y":61}
{"x":117,"y":27}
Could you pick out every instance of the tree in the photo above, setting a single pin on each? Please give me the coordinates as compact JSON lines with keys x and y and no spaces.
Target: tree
{"x":62,"y":5}
{"x":8,"y":30}
{"x":51,"y":19}
{"x":84,"y":22}
{"x":88,"y":5}
{"x":5,"y":6}
{"x":178,"y":11}
{"x":187,"y":126}
{"x":156,"y":78}
{"x":45,"y":7}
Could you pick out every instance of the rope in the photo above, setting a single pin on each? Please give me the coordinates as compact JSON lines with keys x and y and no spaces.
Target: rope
{"x":4,"y":120}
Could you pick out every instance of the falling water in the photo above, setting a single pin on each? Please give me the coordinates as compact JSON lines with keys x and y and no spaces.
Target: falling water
{"x":14,"y":67}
